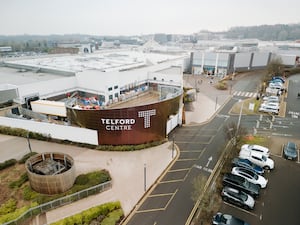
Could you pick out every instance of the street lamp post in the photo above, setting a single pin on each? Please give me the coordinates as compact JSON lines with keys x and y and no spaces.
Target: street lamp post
{"x":145,"y":177}
{"x":173,"y":146}
{"x":28,"y":140}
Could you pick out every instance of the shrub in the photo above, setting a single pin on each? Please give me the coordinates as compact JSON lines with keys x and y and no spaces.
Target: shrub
{"x":8,"y":207}
{"x":29,"y":194}
{"x":85,"y":217}
{"x":221,"y":85}
{"x":7,"y":163}
{"x":113,"y":217}
{"x":27,"y":156}
{"x":18,"y":183}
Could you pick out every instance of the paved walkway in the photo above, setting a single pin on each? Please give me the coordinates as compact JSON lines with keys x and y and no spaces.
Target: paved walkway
{"x":126,"y":168}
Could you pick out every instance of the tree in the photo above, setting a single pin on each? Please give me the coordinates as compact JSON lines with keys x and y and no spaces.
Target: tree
{"x":198,"y":187}
{"x":234,"y":133}
{"x":274,"y":68}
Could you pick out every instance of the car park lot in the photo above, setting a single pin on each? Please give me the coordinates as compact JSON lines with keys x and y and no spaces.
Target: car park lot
{"x":278,"y":203}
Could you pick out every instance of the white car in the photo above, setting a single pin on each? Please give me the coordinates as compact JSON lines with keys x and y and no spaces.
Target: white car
{"x":271,"y":99}
{"x":274,"y":105}
{"x":257,"y":148}
{"x":257,"y":158}
{"x":269,"y":109}
{"x":250,"y":176}
{"x":276,"y":85}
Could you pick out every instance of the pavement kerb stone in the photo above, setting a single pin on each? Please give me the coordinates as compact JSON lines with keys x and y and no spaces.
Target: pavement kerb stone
{"x":147,"y":193}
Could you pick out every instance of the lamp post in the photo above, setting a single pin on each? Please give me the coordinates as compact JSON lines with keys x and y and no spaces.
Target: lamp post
{"x":145,"y":177}
{"x":173,"y":146}
{"x":239,"y":122}
{"x":28,"y":140}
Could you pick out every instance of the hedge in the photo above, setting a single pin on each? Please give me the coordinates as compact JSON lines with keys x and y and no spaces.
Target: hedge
{"x":87,"y":216}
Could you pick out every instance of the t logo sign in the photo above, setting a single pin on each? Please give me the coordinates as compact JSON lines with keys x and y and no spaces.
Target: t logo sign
{"x":147,"y":114}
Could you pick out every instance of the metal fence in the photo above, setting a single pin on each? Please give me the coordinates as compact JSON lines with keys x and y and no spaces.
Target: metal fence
{"x":60,"y":202}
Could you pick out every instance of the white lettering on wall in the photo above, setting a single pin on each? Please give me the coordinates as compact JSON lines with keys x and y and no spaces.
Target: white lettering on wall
{"x":126,"y":124}
{"x":147,"y":115}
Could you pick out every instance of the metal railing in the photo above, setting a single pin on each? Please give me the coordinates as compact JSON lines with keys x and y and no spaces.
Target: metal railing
{"x":60,"y":202}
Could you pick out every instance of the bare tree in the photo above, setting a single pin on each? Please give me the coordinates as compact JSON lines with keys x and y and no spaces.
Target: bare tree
{"x":234,"y":133}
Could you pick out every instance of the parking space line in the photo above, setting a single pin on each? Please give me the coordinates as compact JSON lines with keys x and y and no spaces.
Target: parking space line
{"x":178,"y":170}
{"x":190,"y":142}
{"x":171,"y":181}
{"x":191,"y":150}
{"x":244,"y":210}
{"x":190,"y":159}
{"x":158,"y":209}
{"x":160,"y":195}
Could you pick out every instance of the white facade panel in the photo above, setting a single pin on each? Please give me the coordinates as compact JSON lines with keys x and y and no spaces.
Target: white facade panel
{"x":61,"y":132}
{"x":260,"y":59}
{"x":242,"y":60}
{"x":288,"y":60}
{"x":48,"y":88}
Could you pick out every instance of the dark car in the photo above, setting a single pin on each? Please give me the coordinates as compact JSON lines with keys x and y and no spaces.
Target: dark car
{"x":240,"y":183}
{"x":237,"y":197}
{"x":222,"y":219}
{"x":290,"y":151}
{"x":245,"y":163}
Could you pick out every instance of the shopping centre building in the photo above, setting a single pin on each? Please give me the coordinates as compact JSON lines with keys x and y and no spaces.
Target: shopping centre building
{"x":116,"y":97}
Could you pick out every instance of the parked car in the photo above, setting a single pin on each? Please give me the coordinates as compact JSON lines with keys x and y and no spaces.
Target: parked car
{"x":274,"y":105}
{"x":245,"y":163}
{"x":269,"y":109}
{"x":271,"y":98}
{"x":257,"y":158}
{"x":240,"y":183}
{"x":276,"y":85}
{"x":282,"y":79}
{"x":237,"y":197}
{"x":222,"y":219}
{"x":250,"y":176}
{"x":257,"y":148}
{"x":290,"y":151}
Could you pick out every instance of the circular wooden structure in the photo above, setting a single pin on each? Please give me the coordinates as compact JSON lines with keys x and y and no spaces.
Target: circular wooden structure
{"x":51,"y":172}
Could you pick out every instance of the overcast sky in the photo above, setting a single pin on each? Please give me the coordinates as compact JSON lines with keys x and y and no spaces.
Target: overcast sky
{"x":136,"y":17}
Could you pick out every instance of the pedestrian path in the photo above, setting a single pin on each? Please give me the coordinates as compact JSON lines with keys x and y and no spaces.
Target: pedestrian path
{"x":244,"y":94}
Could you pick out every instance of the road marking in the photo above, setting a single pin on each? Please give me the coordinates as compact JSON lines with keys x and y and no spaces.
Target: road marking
{"x":203,"y":168}
{"x":179,"y":170}
{"x":285,"y":135}
{"x":161,"y":195}
{"x":190,"y":159}
{"x":171,"y":181}
{"x":209,"y":160}
{"x":159,"y":209}
{"x":244,"y":210}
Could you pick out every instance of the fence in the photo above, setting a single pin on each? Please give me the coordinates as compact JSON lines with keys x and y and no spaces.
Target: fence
{"x":60,"y":202}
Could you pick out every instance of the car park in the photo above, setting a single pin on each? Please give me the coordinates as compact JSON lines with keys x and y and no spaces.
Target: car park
{"x":250,"y":176}
{"x":222,"y":219}
{"x":257,"y":158}
{"x":240,"y":183}
{"x":245,"y":163}
{"x":290,"y":151}
{"x":237,"y":197}
{"x":256,"y":148}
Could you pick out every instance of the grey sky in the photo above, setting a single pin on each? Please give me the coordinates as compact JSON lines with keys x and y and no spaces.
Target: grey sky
{"x":136,"y":17}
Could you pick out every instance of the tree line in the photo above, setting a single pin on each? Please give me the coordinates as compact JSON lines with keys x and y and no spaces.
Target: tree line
{"x":278,"y":32}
